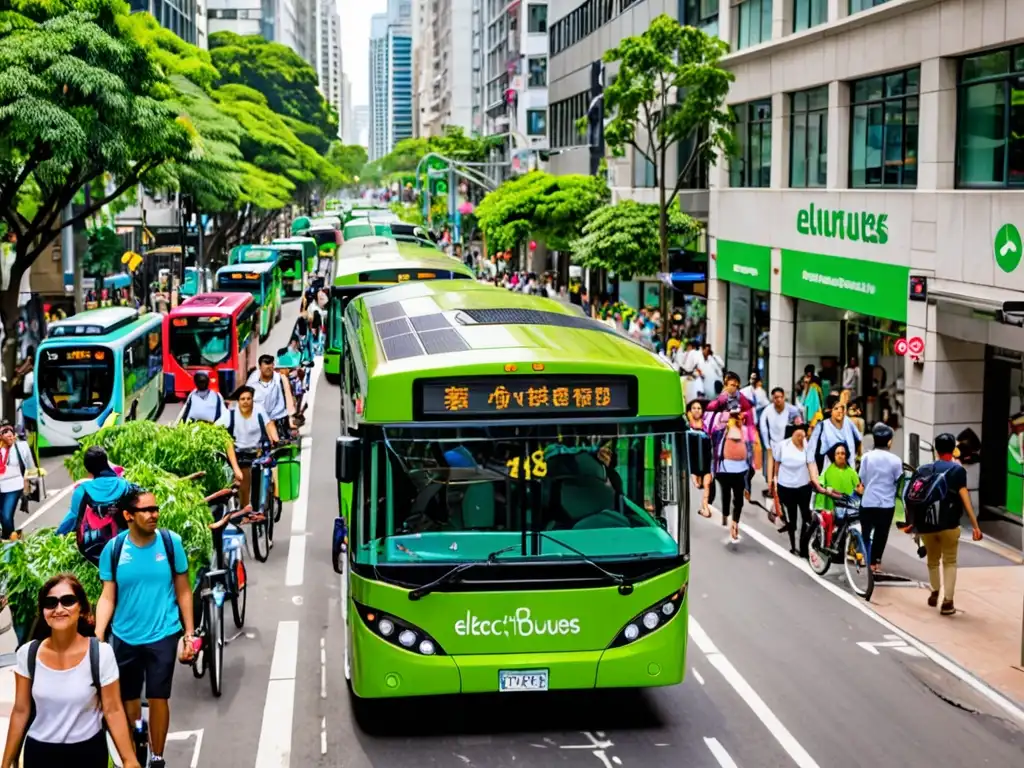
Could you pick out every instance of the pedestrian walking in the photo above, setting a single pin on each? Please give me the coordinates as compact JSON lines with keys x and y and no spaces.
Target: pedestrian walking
{"x":880,"y":471}
{"x":834,"y":430}
{"x":793,"y":478}
{"x":71,"y":681}
{"x":15,"y":460}
{"x":734,"y":448}
{"x":699,"y":454}
{"x":772,"y":427}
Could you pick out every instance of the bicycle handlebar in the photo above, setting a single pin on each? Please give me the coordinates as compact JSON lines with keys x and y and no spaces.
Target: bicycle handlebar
{"x":230,"y":518}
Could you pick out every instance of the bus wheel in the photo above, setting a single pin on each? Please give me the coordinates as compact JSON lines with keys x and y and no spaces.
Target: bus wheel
{"x":333,"y":378}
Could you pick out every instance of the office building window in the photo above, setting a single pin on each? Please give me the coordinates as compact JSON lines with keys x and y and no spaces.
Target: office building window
{"x":643,"y":170}
{"x":808,"y":138}
{"x":990,"y":141}
{"x":809,"y":13}
{"x":538,"y":72}
{"x":564,"y":115}
{"x":883,"y":136}
{"x":856,"y":6}
{"x":702,"y":14}
{"x":753,"y":166}
{"x":537,"y":122}
{"x":697,"y":176}
{"x":755,"y":23}
{"x":537,"y":19}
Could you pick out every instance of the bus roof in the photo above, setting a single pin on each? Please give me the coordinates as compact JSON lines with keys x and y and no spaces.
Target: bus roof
{"x":360,"y":246}
{"x":99,"y":324}
{"x":213,"y":304}
{"x":255,"y":266}
{"x":296,"y":240}
{"x":383,"y":253}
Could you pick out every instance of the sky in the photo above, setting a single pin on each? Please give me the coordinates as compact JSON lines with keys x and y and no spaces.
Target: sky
{"x":355,"y":43}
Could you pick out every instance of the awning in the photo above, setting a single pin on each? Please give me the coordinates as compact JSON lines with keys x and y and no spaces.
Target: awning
{"x":982,"y":298}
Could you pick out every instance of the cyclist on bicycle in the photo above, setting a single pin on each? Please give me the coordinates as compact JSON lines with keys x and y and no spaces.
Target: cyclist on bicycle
{"x":272,"y":394}
{"x":839,"y":479}
{"x":202,"y":403}
{"x":249,"y":428}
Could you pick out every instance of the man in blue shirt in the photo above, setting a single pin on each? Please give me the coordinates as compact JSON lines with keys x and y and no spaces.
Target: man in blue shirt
{"x":880,"y":472}
{"x":144,"y":604}
{"x":104,"y":486}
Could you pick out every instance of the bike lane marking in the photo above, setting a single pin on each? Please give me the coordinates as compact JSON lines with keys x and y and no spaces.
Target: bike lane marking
{"x":721,"y":755}
{"x":978,"y":685}
{"x":275,"y":744}
{"x":295,"y":567}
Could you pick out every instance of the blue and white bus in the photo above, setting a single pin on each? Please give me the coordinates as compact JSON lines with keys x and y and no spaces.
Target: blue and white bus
{"x":104,"y":366}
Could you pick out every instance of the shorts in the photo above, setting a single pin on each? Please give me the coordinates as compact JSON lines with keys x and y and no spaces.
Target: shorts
{"x":152,"y":663}
{"x":246,"y":456}
{"x":284,"y":429}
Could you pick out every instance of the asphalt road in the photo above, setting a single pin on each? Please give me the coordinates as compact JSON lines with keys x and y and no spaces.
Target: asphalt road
{"x":776,"y":676}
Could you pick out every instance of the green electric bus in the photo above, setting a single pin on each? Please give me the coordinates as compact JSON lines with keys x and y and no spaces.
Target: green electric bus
{"x":263,"y":280}
{"x":510,"y":474}
{"x":364,"y":228}
{"x":369,"y":264}
{"x":299,"y":259}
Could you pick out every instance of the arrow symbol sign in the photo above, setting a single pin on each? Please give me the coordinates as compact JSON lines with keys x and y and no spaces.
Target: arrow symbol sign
{"x":894,"y":642}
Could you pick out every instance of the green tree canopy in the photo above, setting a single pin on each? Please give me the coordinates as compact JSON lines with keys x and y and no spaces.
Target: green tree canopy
{"x":288,"y":82}
{"x":454,"y":144}
{"x":537,"y":204}
{"x":347,"y":158}
{"x":623,"y":238}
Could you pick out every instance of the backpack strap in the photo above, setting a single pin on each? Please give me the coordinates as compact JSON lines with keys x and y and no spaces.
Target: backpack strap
{"x":220,"y":404}
{"x":165,"y":536}
{"x":188,"y":407}
{"x":94,"y":664}
{"x":263,"y":427}
{"x":231,"y":423}
{"x":115,"y":555}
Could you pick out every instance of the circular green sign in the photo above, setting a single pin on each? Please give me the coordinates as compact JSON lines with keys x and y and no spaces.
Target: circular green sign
{"x":1008,"y":248}
{"x":442,"y":189}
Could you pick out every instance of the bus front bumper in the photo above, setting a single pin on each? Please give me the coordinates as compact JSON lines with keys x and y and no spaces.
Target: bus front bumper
{"x":382,"y":670}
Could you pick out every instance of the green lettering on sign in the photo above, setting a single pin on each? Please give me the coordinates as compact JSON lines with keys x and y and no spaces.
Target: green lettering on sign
{"x":744,"y":263}
{"x":856,"y":226}
{"x":865,"y":287}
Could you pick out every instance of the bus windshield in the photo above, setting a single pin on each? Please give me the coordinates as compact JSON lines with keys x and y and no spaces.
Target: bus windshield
{"x":201,"y":340}
{"x":324,"y":237}
{"x":458,"y":498}
{"x":75,"y":383}
{"x":289,"y":261}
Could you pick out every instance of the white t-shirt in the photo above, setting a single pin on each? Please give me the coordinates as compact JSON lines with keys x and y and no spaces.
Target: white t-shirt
{"x":204,"y":408}
{"x":792,"y":461}
{"x":269,"y":395}
{"x":67,"y":705}
{"x":12,"y":479}
{"x":247,"y":432}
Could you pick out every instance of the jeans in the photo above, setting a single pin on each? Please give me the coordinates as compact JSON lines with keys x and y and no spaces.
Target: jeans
{"x":8,"y":507}
{"x":793,"y":500}
{"x":942,"y":547}
{"x":734,"y":484}
{"x":876,"y":522}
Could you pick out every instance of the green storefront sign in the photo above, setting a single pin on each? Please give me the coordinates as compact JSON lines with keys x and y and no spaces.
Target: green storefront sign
{"x":865,"y":287}
{"x":745,"y":264}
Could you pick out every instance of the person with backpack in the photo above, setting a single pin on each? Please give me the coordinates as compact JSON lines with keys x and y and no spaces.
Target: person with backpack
{"x":880,"y":471}
{"x":831,"y":432}
{"x":15,"y":460}
{"x":92,"y":514}
{"x":146,"y":604}
{"x":250,"y":429}
{"x":202,"y":403}
{"x":735,"y":449}
{"x":935,"y":499}
{"x":67,"y":691}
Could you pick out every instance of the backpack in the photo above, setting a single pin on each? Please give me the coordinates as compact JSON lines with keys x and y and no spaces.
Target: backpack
{"x":734,"y":444}
{"x":923,"y":495}
{"x":94,"y":668}
{"x":188,"y":408}
{"x":95,"y":525}
{"x":231,"y":425}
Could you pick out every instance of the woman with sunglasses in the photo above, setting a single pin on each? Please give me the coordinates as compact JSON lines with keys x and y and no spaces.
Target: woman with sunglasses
{"x":71,"y":715}
{"x":15,"y":461}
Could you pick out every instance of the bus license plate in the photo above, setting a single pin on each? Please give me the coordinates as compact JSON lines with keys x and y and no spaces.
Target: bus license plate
{"x":523,"y":680}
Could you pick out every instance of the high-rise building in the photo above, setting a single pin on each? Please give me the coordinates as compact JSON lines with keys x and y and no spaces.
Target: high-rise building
{"x":345,"y":116}
{"x":328,"y":53}
{"x":445,"y":65}
{"x":391,"y":117}
{"x":280,"y":21}
{"x":179,"y":16}
{"x":361,"y":125}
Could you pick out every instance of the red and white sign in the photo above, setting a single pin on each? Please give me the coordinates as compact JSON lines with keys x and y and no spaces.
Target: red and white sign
{"x":915,"y":346}
{"x":900,"y":347}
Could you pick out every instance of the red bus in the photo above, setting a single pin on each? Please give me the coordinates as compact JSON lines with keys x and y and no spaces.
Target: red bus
{"x":213,"y":332}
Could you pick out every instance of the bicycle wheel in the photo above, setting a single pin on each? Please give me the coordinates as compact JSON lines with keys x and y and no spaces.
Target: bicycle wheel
{"x":140,"y":735}
{"x":267,"y":505}
{"x":857,"y":565}
{"x":818,"y":555}
{"x":215,"y":644}
{"x":239,"y":581}
{"x":260,"y":544}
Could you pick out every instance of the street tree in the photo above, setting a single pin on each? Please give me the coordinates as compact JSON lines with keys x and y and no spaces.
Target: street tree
{"x":670,"y":91}
{"x":79,"y":97}
{"x":349,"y":159}
{"x":623,"y":238}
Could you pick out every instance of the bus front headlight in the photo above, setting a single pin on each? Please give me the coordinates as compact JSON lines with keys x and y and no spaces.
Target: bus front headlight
{"x":651,"y":619}
{"x":398,"y":632}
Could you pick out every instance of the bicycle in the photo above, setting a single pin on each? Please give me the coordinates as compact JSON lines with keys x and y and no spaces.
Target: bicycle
{"x":262,"y":472}
{"x":841,"y":537}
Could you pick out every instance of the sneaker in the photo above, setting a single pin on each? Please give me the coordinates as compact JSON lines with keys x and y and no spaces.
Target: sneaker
{"x":947,"y":608}
{"x":933,"y":599}
{"x":157,"y":762}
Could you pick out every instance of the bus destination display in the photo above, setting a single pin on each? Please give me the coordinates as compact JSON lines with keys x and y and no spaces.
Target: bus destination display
{"x":69,"y":355}
{"x":526,"y":396}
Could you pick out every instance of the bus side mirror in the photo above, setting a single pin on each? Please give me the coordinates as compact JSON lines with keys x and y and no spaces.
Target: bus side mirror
{"x":346,"y":459}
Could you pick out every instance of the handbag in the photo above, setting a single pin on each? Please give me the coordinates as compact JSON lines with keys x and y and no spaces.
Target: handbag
{"x":32,"y":491}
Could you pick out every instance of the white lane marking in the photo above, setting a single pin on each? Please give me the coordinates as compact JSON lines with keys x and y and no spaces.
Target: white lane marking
{"x":294,"y":571}
{"x":696,"y":674}
{"x":51,"y":501}
{"x":891,"y":641}
{"x":947,"y":664}
{"x":286,"y":651}
{"x":300,"y":508}
{"x":275,"y":745}
{"x":323,"y":669}
{"x":296,"y":566}
{"x":323,"y":736}
{"x":720,"y":754}
{"x":185,"y":736}
{"x":732,"y":676}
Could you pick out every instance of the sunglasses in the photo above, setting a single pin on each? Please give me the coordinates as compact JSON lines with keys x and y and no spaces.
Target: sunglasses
{"x":50,"y":602}
{"x":4,"y":432}
{"x":148,"y":510}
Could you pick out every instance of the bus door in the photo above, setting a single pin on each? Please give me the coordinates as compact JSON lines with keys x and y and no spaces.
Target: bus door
{"x":293,"y":269}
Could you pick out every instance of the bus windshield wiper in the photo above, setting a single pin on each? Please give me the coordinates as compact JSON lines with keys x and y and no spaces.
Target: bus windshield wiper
{"x":455,"y":574}
{"x":625,"y":585}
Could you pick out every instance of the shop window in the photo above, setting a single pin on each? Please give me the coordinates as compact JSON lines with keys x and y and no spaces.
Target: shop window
{"x":643,"y":170}
{"x":753,"y":166}
{"x":990,"y":140}
{"x":809,"y":13}
{"x":537,"y":19}
{"x":808,"y":151}
{"x":856,"y":6}
{"x":536,"y":122}
{"x":538,"y":72}
{"x":702,"y":14}
{"x":883,"y":136}
{"x":755,"y":23}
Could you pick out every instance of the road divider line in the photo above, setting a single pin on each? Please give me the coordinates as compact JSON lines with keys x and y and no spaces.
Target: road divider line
{"x":723,"y":757}
{"x":761,"y":710}
{"x":275,"y":744}
{"x":295,"y":567}
{"x":981,"y":687}
{"x":50,"y":503}
{"x":294,"y":573}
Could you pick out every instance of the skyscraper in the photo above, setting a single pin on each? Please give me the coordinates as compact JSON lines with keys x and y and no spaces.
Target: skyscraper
{"x":279,"y":21}
{"x":179,"y":16}
{"x":345,"y":115}
{"x":390,"y":78}
{"x":328,"y":53}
